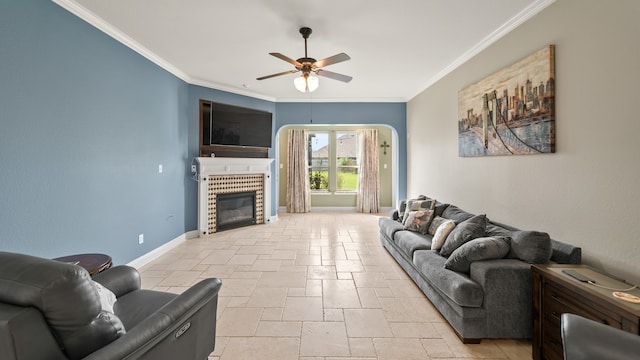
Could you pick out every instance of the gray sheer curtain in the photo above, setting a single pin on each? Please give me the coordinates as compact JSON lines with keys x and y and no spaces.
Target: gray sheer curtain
{"x":298,"y":193}
{"x":368,"y":198}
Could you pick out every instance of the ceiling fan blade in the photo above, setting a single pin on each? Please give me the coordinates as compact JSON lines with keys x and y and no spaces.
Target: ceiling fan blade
{"x":334,"y":76}
{"x":331,"y":60}
{"x":286,"y":58}
{"x":278,"y":74}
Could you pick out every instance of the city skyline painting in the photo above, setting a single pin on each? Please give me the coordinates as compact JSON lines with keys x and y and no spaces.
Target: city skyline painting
{"x":511,"y":112}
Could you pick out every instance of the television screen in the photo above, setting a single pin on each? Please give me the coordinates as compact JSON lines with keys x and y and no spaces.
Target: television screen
{"x":233,"y":125}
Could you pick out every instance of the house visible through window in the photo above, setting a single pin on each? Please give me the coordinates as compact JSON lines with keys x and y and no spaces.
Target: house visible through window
{"x":333,"y":161}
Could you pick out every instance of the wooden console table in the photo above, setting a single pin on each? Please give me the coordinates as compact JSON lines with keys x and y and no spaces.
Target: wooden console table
{"x":94,"y":263}
{"x":555,"y":293}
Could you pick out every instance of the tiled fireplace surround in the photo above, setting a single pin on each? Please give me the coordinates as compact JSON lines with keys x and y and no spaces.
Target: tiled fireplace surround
{"x":230,"y":175}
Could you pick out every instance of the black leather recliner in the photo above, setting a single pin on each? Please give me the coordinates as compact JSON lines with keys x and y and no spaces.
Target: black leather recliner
{"x":585,"y":339}
{"x":51,"y":310}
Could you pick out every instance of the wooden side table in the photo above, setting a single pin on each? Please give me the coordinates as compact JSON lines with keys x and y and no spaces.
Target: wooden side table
{"x":94,"y":263}
{"x":555,"y":293}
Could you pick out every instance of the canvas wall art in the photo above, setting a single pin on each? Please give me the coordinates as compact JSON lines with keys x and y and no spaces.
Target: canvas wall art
{"x":510,"y":112}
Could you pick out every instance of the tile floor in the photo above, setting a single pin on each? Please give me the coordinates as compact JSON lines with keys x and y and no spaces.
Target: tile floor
{"x":316,"y":286}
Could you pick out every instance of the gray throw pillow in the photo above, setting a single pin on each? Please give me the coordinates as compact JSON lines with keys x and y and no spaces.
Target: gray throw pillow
{"x":466,"y":231}
{"x":485,"y":248}
{"x":533,"y":247}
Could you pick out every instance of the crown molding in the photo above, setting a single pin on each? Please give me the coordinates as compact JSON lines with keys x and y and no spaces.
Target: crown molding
{"x":102,"y":25}
{"x":524,"y":15}
{"x":99,"y":23}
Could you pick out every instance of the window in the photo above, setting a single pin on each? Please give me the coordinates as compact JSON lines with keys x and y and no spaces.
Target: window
{"x":333,"y":161}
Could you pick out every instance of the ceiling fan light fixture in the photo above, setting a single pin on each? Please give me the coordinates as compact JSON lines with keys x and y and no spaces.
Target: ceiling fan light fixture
{"x":306,"y":83}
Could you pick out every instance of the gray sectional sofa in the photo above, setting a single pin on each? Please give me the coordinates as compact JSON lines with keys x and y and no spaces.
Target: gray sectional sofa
{"x":484,"y":287}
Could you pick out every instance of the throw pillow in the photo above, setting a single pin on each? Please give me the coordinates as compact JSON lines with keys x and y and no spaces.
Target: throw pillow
{"x":441,"y":233}
{"x":467,"y":230}
{"x":419,"y":221}
{"x":533,"y":247}
{"x":415,"y":205}
{"x":107,"y":298}
{"x":485,"y":248}
{"x":437,"y":221}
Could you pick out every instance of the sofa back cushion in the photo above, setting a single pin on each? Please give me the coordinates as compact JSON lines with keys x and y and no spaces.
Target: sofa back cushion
{"x":533,"y":247}
{"x":65,"y":295}
{"x":456,"y":214}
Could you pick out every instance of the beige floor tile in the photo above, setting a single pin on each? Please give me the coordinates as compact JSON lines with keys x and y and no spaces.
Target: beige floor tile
{"x":238,"y":287}
{"x":362,"y":347}
{"x":261,"y":348}
{"x":394,"y":349}
{"x":315,"y":286}
{"x":367,"y":323}
{"x":279,"y":328}
{"x":340,"y":294}
{"x":324,"y":339}
{"x":238,"y":322}
{"x":268,"y":297}
{"x":283,"y":279}
{"x":303,"y":308}
{"x":414,"y":330}
{"x":180,"y":278}
{"x":321,"y":272}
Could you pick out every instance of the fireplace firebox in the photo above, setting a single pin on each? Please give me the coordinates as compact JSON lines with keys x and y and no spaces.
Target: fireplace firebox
{"x":235,"y":210}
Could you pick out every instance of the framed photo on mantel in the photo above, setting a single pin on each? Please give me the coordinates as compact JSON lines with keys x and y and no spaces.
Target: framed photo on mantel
{"x":511,"y":112}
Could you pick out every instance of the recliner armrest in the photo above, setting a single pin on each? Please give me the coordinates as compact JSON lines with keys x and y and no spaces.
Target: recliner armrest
{"x":120,"y":279}
{"x":168,"y":322}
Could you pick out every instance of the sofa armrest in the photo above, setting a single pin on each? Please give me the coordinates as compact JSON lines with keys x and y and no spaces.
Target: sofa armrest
{"x":507,"y":295}
{"x":171,"y":322}
{"x":120,"y":279}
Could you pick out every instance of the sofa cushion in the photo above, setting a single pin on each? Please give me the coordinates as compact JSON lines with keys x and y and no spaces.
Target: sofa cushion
{"x":409,"y":241}
{"x":455,"y":285}
{"x":533,"y":247}
{"x":416,"y":205}
{"x":419,"y":221}
{"x":467,"y":230}
{"x":456,"y":214}
{"x":389,"y":227}
{"x":485,"y":248}
{"x":441,"y":234}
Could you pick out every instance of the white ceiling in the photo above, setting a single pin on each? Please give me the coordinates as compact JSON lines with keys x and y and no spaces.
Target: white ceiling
{"x":398,"y":48}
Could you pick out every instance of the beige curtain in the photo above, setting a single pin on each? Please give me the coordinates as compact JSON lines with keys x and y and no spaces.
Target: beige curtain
{"x":298,"y":193}
{"x":368,"y":173}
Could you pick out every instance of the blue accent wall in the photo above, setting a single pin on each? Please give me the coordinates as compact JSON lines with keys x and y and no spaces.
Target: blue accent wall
{"x":84,"y":124}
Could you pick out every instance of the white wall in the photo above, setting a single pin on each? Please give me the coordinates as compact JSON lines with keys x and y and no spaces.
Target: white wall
{"x":587,"y":193}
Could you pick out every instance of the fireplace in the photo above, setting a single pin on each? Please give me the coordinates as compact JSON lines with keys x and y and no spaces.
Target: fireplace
{"x":235,"y":210}
{"x":227,"y":176}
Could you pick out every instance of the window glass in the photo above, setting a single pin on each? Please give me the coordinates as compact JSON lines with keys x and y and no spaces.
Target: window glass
{"x":347,"y":161}
{"x":319,"y":161}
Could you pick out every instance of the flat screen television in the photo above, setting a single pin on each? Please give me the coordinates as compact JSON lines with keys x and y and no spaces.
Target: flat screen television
{"x":233,"y":125}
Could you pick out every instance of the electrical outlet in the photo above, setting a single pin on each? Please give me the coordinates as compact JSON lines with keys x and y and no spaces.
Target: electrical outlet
{"x":140,"y":239}
{"x":160,"y":169}
{"x":193,"y":169}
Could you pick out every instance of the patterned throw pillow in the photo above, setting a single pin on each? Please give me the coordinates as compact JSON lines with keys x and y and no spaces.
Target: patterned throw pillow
{"x":441,"y":233}
{"x":419,"y":221}
{"x":415,"y":205}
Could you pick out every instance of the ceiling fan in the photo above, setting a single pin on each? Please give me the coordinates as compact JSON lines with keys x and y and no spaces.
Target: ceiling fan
{"x":308,"y":65}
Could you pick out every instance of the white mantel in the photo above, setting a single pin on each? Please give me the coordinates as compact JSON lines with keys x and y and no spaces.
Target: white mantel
{"x":217,"y":166}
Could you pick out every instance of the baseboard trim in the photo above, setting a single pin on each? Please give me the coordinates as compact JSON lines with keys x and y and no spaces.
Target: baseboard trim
{"x":161,"y":250}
